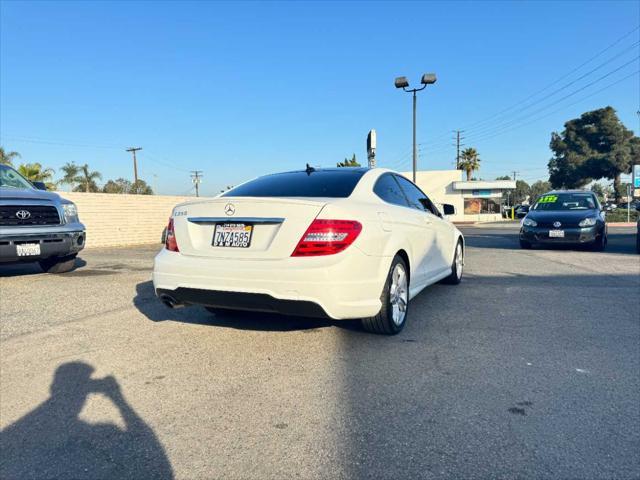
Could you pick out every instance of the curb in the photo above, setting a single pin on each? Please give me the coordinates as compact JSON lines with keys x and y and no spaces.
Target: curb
{"x":621,"y":224}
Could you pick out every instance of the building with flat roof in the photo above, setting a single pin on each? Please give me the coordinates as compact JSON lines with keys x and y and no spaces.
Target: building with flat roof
{"x":475,"y":200}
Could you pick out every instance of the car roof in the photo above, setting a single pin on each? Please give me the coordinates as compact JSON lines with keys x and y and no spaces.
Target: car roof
{"x":575,"y":190}
{"x":329,"y":169}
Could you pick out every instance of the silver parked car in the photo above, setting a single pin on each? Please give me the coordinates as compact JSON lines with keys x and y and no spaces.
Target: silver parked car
{"x":36,"y":225}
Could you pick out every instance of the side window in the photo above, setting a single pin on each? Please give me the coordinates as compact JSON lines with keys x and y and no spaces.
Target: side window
{"x":388,"y":190}
{"x":417,"y":198}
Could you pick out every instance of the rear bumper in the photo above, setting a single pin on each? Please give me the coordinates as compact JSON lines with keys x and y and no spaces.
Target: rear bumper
{"x":256,"y":302}
{"x":343,"y":286}
{"x":572,"y":236}
{"x":52,"y":244}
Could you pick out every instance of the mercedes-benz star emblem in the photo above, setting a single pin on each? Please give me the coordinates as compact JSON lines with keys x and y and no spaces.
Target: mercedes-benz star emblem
{"x":557,"y":224}
{"x":229,"y":209}
{"x":23,"y":214}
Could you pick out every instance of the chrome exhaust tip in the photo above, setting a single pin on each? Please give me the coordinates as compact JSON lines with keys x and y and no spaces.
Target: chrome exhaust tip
{"x":170,"y":302}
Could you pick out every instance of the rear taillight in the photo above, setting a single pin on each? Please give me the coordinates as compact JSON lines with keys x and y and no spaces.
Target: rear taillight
{"x":326,"y":237}
{"x":170,"y":242}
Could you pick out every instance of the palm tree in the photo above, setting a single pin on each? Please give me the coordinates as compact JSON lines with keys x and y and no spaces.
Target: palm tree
{"x":6,"y":158}
{"x":71,"y":171}
{"x":88,"y":178}
{"x":469,"y":161}
{"x":35,"y":173}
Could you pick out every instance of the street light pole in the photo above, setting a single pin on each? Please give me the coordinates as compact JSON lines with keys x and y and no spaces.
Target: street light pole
{"x":415,"y":146}
{"x":403,"y":83}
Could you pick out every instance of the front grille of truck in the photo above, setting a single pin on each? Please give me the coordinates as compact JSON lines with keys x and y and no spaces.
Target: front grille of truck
{"x":14,"y":215}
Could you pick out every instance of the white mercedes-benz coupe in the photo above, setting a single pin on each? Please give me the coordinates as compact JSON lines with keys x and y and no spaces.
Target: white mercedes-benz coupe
{"x":342,"y":243}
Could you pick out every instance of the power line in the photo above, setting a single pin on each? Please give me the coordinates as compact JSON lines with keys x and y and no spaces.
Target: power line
{"x":489,"y":135}
{"x":558,"y":90}
{"x":20,"y":138}
{"x":485,"y":128}
{"x":551,"y":84}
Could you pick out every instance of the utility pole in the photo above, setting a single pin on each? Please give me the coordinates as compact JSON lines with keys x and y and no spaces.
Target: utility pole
{"x":196,"y":177}
{"x":458,"y":145}
{"x":515,"y":175}
{"x":133,"y":150}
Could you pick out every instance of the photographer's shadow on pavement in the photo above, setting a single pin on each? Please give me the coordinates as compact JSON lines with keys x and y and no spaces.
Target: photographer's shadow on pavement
{"x":146,"y":302}
{"x":53,"y":442}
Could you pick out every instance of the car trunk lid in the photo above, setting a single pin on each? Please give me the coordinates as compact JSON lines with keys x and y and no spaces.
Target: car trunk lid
{"x":275,"y":225}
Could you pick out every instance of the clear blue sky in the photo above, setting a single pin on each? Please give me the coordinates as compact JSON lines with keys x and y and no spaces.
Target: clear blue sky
{"x":242,"y":89}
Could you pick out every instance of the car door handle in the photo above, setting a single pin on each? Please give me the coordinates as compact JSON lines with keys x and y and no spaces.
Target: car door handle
{"x":426,"y":220}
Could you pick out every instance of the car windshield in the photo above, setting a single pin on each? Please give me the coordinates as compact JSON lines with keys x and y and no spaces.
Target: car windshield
{"x":333,"y":183}
{"x":566,"y":201}
{"x":12,"y":179}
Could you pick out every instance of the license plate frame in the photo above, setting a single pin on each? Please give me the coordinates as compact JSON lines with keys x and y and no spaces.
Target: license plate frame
{"x":232,"y":235}
{"x":556,"y":233}
{"x":28,"y":249}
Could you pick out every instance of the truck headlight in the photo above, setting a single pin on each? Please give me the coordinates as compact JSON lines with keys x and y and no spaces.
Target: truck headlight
{"x":527,"y":222}
{"x":70,"y":212}
{"x":588,"y":222}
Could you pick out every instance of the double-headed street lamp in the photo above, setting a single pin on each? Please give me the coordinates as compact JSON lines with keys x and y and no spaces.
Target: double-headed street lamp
{"x":403,"y":83}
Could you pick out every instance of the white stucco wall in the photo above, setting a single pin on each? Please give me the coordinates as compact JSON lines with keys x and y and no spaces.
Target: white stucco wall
{"x":438,"y":184}
{"x":119,"y":220}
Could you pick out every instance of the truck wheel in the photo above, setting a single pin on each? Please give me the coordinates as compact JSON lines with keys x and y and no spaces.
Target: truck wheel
{"x":58,"y":264}
{"x":395,"y":301}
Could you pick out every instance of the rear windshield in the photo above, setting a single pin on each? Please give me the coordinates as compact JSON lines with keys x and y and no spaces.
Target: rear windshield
{"x":566,"y":201}
{"x":337,"y":183}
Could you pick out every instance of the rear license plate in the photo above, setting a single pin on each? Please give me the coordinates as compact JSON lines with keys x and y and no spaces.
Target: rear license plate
{"x":28,"y":249}
{"x":556,"y":233}
{"x":236,"y":235}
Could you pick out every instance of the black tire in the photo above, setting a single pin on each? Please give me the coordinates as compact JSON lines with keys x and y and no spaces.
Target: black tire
{"x":525,"y":245}
{"x":383,"y":323}
{"x":58,"y":264}
{"x":456,"y":272}
{"x":601,"y":243}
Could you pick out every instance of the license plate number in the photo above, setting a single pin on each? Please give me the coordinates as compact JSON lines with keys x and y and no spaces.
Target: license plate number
{"x":556,"y":233}
{"x":234,"y":235}
{"x":28,"y":249}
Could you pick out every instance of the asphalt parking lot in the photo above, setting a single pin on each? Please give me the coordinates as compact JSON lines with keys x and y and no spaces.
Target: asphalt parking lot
{"x":528,"y":369}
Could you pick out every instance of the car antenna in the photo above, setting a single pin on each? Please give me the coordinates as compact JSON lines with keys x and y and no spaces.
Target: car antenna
{"x":309,"y":169}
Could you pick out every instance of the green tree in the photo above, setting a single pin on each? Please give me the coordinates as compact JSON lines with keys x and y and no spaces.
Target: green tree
{"x":71,"y":172}
{"x":35,"y":173}
{"x":504,"y":177}
{"x":596,"y":145}
{"x":87,"y":180}
{"x":469,"y":161}
{"x":122,"y":185}
{"x":521,"y":193}
{"x":352,"y":162}
{"x":598,"y":189}
{"x":6,"y":158}
{"x":538,"y":188}
{"x":141,"y":188}
{"x":119,"y":185}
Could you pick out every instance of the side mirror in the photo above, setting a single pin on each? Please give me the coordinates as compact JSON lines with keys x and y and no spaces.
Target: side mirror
{"x":39,"y":185}
{"x":448,"y":209}
{"x":638,"y":206}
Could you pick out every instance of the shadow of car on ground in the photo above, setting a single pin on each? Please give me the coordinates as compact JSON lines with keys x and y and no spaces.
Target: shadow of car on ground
{"x":150,"y":306}
{"x":32,"y":268}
